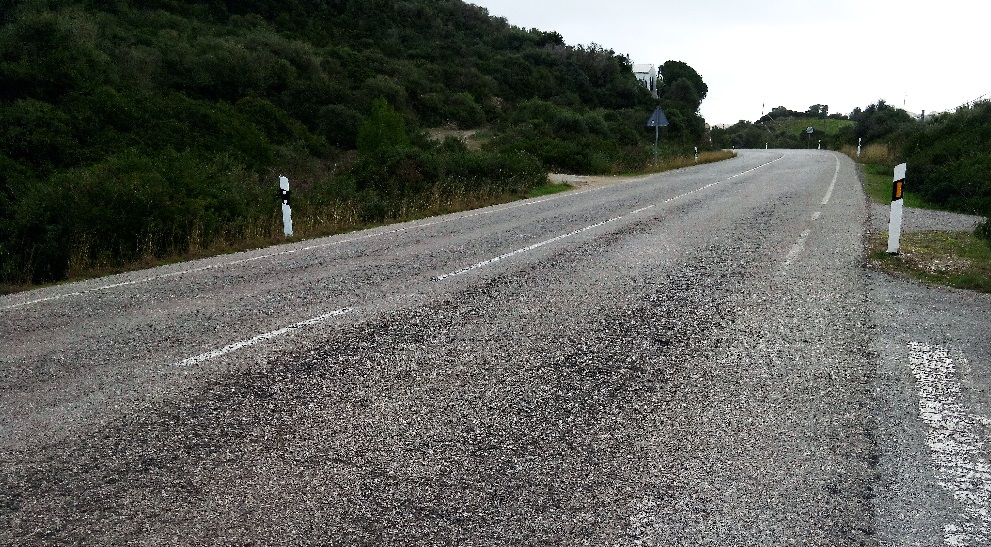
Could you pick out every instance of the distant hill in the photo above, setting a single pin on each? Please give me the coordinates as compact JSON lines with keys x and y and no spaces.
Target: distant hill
{"x":784,"y":128}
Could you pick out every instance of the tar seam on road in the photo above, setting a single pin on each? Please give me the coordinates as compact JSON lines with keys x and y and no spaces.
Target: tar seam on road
{"x":573,"y":233}
{"x":954,"y":442}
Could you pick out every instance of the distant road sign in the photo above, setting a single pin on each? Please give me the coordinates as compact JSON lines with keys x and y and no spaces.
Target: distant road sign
{"x":809,"y":130}
{"x":657,"y":119}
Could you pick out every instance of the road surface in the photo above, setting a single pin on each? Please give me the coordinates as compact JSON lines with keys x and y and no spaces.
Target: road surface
{"x":699,"y":357}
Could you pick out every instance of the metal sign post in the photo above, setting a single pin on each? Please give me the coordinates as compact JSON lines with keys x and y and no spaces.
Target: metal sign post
{"x":657,"y":120}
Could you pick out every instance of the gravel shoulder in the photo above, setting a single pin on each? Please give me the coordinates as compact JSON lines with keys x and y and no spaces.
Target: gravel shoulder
{"x":917,"y":220}
{"x":933,"y":400}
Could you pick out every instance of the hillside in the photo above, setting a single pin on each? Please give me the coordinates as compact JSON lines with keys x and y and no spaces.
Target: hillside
{"x":133,"y":131}
{"x":784,"y":128}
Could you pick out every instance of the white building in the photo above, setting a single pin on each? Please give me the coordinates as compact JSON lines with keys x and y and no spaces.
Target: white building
{"x":647,"y":74}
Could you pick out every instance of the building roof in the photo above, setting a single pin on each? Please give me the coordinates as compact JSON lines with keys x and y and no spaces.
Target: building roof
{"x":644,"y":68}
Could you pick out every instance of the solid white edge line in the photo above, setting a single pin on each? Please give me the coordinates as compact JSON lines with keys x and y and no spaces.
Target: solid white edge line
{"x":291,"y":251}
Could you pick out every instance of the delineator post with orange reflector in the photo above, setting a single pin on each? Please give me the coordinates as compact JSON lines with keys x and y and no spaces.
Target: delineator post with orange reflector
{"x":897,"y":204}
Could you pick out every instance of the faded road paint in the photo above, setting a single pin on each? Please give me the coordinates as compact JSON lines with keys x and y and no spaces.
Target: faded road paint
{"x":954,"y":442}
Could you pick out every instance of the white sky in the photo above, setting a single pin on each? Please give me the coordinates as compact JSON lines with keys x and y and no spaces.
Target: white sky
{"x":930,"y":56}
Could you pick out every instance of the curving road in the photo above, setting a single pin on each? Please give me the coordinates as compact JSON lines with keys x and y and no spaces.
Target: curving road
{"x":693,"y":358}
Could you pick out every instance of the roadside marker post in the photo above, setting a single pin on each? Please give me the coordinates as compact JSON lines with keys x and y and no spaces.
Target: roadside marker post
{"x":858,"y":146}
{"x":696,"y":154}
{"x":286,"y":208}
{"x":897,"y":204}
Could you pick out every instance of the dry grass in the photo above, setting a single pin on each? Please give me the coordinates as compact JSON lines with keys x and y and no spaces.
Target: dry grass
{"x":677,"y":162}
{"x":880,"y":154}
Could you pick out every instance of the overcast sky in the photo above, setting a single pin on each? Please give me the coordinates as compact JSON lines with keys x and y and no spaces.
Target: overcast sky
{"x":930,"y":56}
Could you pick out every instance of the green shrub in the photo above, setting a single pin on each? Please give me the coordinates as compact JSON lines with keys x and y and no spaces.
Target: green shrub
{"x":949,"y":161}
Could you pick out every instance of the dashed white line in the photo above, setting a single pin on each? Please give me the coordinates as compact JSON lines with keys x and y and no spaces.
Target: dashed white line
{"x":799,"y":245}
{"x":282,"y":252}
{"x":524,"y":249}
{"x":573,"y":233}
{"x":230,"y":348}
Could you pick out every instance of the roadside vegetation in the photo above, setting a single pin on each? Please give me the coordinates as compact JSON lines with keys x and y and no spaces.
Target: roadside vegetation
{"x":133,"y":133}
{"x":954,"y":259}
{"x":785,"y":128}
{"x":949,"y":169}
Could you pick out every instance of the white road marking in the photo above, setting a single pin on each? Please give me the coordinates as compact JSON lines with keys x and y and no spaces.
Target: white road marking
{"x":524,"y":249}
{"x":573,"y":233}
{"x":230,"y":348}
{"x":954,"y":442}
{"x":797,"y":248}
{"x":832,"y":185}
{"x":799,"y":245}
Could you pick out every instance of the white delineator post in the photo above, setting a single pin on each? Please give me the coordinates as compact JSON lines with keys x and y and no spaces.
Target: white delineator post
{"x":858,"y":146}
{"x":286,"y":209}
{"x":897,"y":204}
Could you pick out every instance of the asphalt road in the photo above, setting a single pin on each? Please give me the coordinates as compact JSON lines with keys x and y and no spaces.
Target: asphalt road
{"x":694,"y":358}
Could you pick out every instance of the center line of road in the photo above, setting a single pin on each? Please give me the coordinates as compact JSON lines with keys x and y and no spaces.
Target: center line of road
{"x":149,"y":279}
{"x":573,"y":233}
{"x":799,"y":245}
{"x":230,"y":348}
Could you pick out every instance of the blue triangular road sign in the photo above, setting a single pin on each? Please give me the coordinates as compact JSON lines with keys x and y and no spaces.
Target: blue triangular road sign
{"x":657,"y":119}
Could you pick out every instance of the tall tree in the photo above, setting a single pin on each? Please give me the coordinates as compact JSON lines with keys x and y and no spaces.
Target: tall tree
{"x":673,"y":71}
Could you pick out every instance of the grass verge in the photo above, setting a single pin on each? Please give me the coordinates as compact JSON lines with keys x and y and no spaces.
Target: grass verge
{"x":954,"y":259}
{"x":677,"y":162}
{"x":548,"y":189}
{"x":877,"y":183}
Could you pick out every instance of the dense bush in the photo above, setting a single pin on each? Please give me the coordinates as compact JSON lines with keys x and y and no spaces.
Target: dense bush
{"x":949,"y":160}
{"x":133,"y":131}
